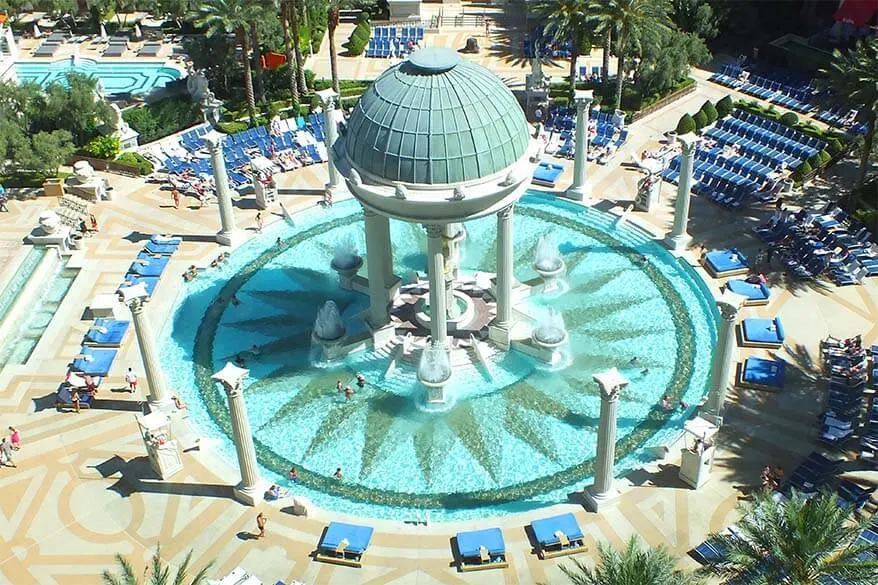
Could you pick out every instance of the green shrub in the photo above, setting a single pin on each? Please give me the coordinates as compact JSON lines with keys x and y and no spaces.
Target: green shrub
{"x":561,"y":101}
{"x":309,"y":78}
{"x":802,"y":171}
{"x":724,"y":107}
{"x":144,"y":167}
{"x":349,"y":102}
{"x":700,"y":120}
{"x":825,"y":157}
{"x":685,"y":125}
{"x":833,"y":146}
{"x":359,"y":38}
{"x":163,"y":118}
{"x":710,"y":112}
{"x":814,"y":160}
{"x":232,"y":127}
{"x":103,"y":147}
{"x":790,"y":119}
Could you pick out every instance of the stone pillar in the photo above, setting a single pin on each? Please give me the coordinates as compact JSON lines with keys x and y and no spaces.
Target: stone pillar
{"x":248,"y":490}
{"x":678,"y":239}
{"x":329,"y":97}
{"x":377,"y":236}
{"x":500,"y":329}
{"x":580,"y":190}
{"x":228,"y":232}
{"x":135,"y":297}
{"x":602,"y":492}
{"x":729,"y":304}
{"x":436,"y":269}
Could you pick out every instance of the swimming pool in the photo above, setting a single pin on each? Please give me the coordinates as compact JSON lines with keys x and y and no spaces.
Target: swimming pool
{"x":116,"y":77}
{"x":522,"y":439}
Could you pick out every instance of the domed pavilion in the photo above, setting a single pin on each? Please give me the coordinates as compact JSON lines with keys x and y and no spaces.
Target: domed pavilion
{"x":436,"y":140}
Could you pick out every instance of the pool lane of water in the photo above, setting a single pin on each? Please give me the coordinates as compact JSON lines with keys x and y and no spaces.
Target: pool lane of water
{"x":522,"y":440}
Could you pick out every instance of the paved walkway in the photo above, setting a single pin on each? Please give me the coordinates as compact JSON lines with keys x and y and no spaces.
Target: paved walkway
{"x":81,"y":491}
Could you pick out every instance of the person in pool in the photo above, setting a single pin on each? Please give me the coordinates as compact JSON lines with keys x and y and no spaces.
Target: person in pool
{"x":361,"y":380}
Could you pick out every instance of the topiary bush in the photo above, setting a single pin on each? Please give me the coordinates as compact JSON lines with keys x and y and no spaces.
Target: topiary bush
{"x":710,"y":112}
{"x":232,"y":127}
{"x":144,"y":167}
{"x":789,"y":119}
{"x":814,"y":160}
{"x":802,"y":171}
{"x":724,"y":107}
{"x":359,"y":38}
{"x":825,"y":157}
{"x":700,"y":120}
{"x":685,"y":125}
{"x":833,"y":146}
{"x":103,"y":147}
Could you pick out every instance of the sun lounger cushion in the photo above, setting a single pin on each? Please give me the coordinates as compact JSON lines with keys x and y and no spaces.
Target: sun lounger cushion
{"x":159,"y":239}
{"x":75,"y":380}
{"x":726,"y":260}
{"x":769,"y":331}
{"x":358,"y":537}
{"x":107,"y":332}
{"x":545,"y":529}
{"x":763,"y":372}
{"x":548,"y":172}
{"x":150,"y":282}
{"x":146,"y":265}
{"x":97,"y":361}
{"x":161,"y":249}
{"x":468,"y":543}
{"x":748,"y":290}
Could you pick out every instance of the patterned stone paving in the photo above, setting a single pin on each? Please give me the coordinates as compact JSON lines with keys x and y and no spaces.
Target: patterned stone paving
{"x":82,"y":490}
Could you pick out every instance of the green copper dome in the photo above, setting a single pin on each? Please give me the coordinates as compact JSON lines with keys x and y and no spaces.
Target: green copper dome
{"x":436,"y":119}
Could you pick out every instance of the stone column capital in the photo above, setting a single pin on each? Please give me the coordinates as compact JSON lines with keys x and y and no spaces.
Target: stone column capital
{"x":136,"y":305}
{"x":689,"y":142}
{"x":729,"y":304}
{"x":434,"y":230}
{"x":214,"y":140}
{"x":233,"y":391}
{"x":583,"y":98}
{"x":506,"y":212}
{"x":611,"y":384}
{"x":368,"y":212}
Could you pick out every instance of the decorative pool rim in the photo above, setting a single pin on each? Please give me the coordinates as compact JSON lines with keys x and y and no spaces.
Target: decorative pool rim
{"x":214,"y":399}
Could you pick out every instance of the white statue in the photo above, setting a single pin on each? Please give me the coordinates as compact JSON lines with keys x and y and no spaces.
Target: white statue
{"x":401,"y":192}
{"x":196,"y":85}
{"x":459,"y":194}
{"x":356,"y":179}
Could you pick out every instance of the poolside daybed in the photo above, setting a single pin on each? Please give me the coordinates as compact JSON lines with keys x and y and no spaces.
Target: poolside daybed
{"x":762,"y":373}
{"x":94,"y":361}
{"x":755,"y":294}
{"x":547,"y":173}
{"x":148,"y":265}
{"x":481,"y":549}
{"x":107,"y":333}
{"x":150,"y":282}
{"x":726,"y":263}
{"x":160,"y":249}
{"x":64,"y":399}
{"x":344,"y":544}
{"x":557,"y":536}
{"x":762,"y":333}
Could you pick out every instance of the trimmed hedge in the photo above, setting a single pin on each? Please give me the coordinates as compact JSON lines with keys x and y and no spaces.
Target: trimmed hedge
{"x":359,"y":38}
{"x":232,"y":127}
{"x":700,"y":120}
{"x":724,"y":107}
{"x":824,"y":156}
{"x":144,"y":167}
{"x":802,"y":171}
{"x":710,"y":112}
{"x":685,"y":125}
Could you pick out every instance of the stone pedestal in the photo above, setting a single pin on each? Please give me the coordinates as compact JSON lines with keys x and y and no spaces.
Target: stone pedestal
{"x":159,"y":397}
{"x":678,"y":239}
{"x":580,"y":190}
{"x":602,"y":492}
{"x":695,"y":466}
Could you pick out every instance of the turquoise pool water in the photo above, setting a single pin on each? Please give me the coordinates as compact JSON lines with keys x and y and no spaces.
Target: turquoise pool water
{"x":19,"y":279}
{"x":35,"y":318}
{"x":525,"y":439}
{"x":115,"y":76}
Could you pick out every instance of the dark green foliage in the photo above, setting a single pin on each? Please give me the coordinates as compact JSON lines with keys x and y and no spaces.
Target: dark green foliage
{"x":686,"y":125}
{"x":824,"y":157}
{"x":790,"y":119}
{"x":724,"y":107}
{"x":359,"y":38}
{"x":700,"y":120}
{"x":709,"y":111}
{"x":162,"y":118}
{"x":144,"y":167}
{"x":833,"y":146}
{"x":106,"y":147}
{"x":802,"y":171}
{"x":666,"y":58}
{"x":232,"y":127}
{"x":814,"y":160}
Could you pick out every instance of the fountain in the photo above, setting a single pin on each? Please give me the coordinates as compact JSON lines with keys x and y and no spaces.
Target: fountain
{"x":548,"y":263}
{"x":434,"y":371}
{"x":328,"y":334}
{"x":345,"y":261}
{"x":550,"y":336}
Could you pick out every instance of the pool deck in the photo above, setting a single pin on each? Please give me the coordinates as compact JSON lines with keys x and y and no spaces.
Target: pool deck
{"x":82,"y":491}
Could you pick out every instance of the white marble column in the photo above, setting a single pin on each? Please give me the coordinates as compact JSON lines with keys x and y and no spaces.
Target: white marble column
{"x":580,"y":190}
{"x":678,"y":239}
{"x":136,"y":297}
{"x":228,"y":232}
{"x":602,"y":492}
{"x":500,"y":329}
{"x":248,"y":491}
{"x":329,"y":98}
{"x":436,"y":269}
{"x":377,"y":235}
{"x":729,"y":305}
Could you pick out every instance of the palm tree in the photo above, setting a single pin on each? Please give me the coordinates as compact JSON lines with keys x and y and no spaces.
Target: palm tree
{"x":156,"y":574}
{"x":634,"y":566}
{"x":289,"y":17}
{"x":600,"y":14}
{"x":567,"y":20}
{"x":797,"y":541}
{"x":224,"y":17}
{"x":853,"y":76}
{"x":331,"y":24}
{"x":632,"y":18}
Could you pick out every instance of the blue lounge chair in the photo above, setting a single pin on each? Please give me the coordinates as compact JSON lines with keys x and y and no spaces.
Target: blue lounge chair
{"x":762,"y":333}
{"x":146,"y":265}
{"x":762,"y":373}
{"x":547,"y":173}
{"x":94,"y":361}
{"x":64,"y":399}
{"x":558,"y":535}
{"x":726,"y":263}
{"x":160,"y":249}
{"x":160,"y":239}
{"x":755,"y":294}
{"x":150,"y":282}
{"x":481,"y":549}
{"x":344,"y":544}
{"x":107,"y":333}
